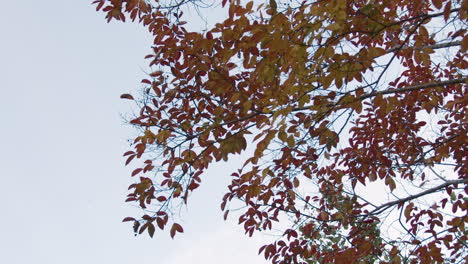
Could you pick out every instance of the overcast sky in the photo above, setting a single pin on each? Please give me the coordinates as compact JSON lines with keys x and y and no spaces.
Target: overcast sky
{"x":63,"y":183}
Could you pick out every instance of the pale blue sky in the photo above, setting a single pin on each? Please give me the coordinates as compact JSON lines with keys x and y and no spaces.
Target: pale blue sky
{"x":63,"y":183}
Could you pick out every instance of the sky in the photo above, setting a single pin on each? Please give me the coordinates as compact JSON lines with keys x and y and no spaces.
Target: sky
{"x":62,"y":176}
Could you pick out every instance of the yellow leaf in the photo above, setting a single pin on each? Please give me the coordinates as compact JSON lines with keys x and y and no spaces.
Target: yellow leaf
{"x":334,"y":26}
{"x":282,"y":136}
{"x":249,"y":6}
{"x":408,"y":210}
{"x":291,"y":141}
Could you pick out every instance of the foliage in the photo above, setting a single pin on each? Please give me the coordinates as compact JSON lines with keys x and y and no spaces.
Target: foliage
{"x":335,"y":98}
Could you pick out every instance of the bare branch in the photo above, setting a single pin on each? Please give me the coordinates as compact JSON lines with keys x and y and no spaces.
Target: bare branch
{"x":434,"y":46}
{"x":413,"y":88}
{"x":384,"y":206}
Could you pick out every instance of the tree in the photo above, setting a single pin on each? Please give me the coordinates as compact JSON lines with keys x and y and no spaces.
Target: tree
{"x":335,"y":97}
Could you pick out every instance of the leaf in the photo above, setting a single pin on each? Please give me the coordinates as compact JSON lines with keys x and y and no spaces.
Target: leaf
{"x":151,"y":230}
{"x":464,"y":44}
{"x":437,"y":3}
{"x":136,"y":171}
{"x":160,"y":222}
{"x":408,"y":210}
{"x":127,"y":96}
{"x":176,"y":228}
{"x":128,"y":219}
{"x":273,"y":6}
{"x":129,"y":159}
{"x":176,"y":72}
{"x":249,"y":6}
{"x":447,"y":10}
{"x":390,"y":182}
{"x":128,"y":153}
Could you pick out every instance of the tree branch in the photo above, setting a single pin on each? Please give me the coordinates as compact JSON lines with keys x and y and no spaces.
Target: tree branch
{"x":434,"y":46}
{"x":384,"y":206}
{"x":413,"y":88}
{"x":398,"y":90}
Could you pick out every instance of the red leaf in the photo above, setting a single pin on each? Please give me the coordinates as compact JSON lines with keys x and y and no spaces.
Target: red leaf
{"x":261,"y":249}
{"x":127,"y":96}
{"x":447,"y":9}
{"x":128,"y":153}
{"x":136,"y":171}
{"x":128,"y":219}
{"x":100,"y":3}
{"x":160,"y":223}
{"x":161,"y":213}
{"x":437,"y":3}
{"x":129,"y":159}
{"x":151,"y":230}
{"x":176,"y":228}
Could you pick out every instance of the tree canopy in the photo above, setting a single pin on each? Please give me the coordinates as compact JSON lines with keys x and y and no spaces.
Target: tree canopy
{"x":326,"y":100}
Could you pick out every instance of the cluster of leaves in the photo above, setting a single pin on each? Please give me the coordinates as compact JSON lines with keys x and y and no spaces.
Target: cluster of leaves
{"x":334,"y":96}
